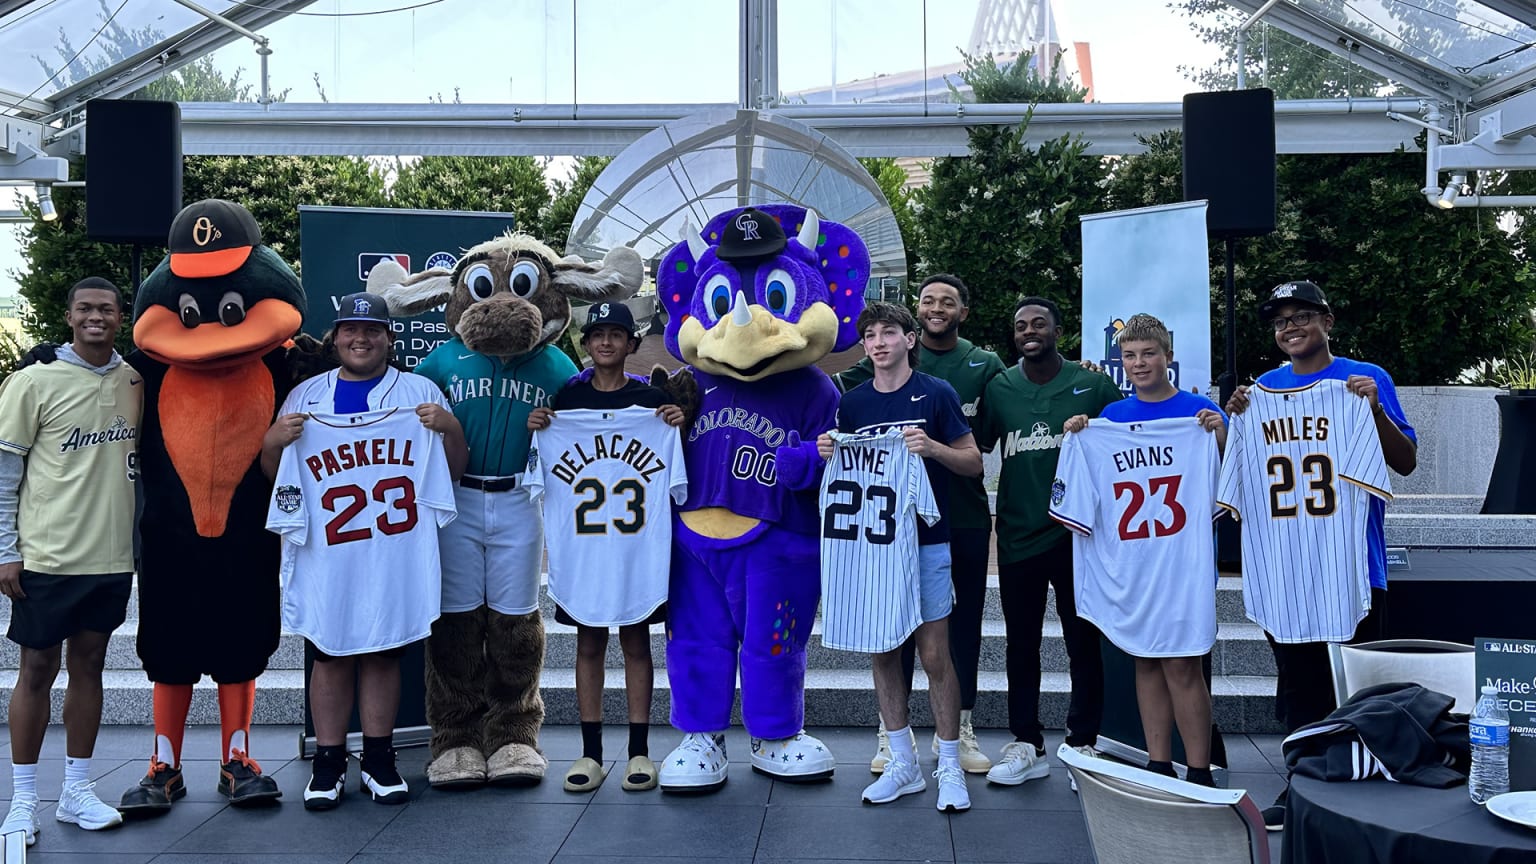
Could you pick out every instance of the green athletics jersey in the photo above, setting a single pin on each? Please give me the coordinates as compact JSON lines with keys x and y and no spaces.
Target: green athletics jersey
{"x":966,"y":368}
{"x":1024,"y":419}
{"x":492,"y":399}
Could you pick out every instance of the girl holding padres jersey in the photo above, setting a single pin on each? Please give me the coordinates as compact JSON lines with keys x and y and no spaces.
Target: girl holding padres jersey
{"x":608,"y":336}
{"x":365,"y":382}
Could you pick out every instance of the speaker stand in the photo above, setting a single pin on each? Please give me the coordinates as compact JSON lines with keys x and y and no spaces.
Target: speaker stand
{"x":136,"y":267}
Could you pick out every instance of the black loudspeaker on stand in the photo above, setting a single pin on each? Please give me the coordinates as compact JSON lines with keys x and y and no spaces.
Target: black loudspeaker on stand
{"x":132,"y":172}
{"x":1229,"y":160}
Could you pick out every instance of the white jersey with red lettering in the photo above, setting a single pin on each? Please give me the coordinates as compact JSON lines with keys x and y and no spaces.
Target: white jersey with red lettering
{"x":605,"y":477}
{"x":872,"y":494}
{"x":1139,"y":499}
{"x":358,"y":500}
{"x":1300,"y":467}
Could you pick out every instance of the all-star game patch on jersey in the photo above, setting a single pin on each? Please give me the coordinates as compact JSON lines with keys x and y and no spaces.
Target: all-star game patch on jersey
{"x":492,"y":399}
{"x":873,"y":493}
{"x":1140,"y":498}
{"x":607,"y":479}
{"x":358,"y":500}
{"x":78,"y":431}
{"x":1300,"y":470}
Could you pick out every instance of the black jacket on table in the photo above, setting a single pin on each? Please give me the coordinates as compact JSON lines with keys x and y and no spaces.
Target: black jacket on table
{"x":1400,"y":732}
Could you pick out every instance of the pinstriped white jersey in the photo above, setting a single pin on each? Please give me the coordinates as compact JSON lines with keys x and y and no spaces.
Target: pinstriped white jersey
{"x":872,"y":494}
{"x":1139,"y":498}
{"x":1300,"y":468}
{"x":604,"y":478}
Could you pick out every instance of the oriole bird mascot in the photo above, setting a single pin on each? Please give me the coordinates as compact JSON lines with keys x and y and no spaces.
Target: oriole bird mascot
{"x":210,"y":324}
{"x":508,"y":300}
{"x":753,"y":303}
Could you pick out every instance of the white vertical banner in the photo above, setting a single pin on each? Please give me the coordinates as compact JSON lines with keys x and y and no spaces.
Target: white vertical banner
{"x":1154,"y":260}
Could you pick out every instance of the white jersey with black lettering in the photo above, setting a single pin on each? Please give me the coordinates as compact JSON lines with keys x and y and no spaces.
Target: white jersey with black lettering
{"x":1139,"y":499}
{"x":358,"y":500}
{"x":872,"y":494}
{"x":605,"y":477}
{"x":1300,"y":467}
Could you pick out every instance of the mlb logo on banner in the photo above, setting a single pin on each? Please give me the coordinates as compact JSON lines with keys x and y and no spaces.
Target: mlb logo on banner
{"x":1510,"y":666}
{"x":367,"y":260}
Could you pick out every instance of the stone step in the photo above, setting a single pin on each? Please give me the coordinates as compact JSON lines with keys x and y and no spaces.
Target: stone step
{"x":1459,"y":505}
{"x":1240,"y":650}
{"x":833,"y":698}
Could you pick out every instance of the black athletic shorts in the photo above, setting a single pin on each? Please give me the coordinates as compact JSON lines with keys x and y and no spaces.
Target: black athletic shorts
{"x":322,"y":657}
{"x":657,"y":617}
{"x":59,"y":606}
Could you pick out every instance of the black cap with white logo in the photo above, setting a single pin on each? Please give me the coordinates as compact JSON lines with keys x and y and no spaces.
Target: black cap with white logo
{"x":616,"y":314}
{"x":751,"y":234}
{"x":362,"y":306}
{"x":1300,"y":292}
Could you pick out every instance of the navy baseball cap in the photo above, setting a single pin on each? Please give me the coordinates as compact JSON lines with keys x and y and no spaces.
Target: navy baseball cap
{"x":362,"y":306}
{"x":1300,"y":292}
{"x":750,"y":235}
{"x":614,"y":313}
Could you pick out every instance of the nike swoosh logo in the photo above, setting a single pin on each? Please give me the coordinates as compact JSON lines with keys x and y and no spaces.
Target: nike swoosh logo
{"x":465,"y":356}
{"x":1077,"y":392}
{"x":135,"y":382}
{"x":916,"y":398}
{"x":313,"y":402}
{"x":709,"y":390}
{"x":975,"y":363}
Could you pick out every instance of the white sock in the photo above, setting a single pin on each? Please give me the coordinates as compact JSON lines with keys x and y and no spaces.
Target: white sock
{"x":901,"y":745}
{"x":76,"y":770}
{"x":236,"y":742}
{"x":24,"y":780}
{"x":164,"y":752}
{"x":949,"y":753}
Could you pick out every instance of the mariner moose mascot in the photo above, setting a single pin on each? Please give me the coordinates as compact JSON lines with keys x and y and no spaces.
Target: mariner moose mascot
{"x":508,"y":300}
{"x":753,"y":303}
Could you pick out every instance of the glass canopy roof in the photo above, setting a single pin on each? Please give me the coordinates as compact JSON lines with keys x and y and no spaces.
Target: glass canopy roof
{"x":1470,"y":39}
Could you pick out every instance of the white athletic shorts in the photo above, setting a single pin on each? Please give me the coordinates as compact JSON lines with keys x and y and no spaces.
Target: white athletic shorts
{"x":492,"y":552}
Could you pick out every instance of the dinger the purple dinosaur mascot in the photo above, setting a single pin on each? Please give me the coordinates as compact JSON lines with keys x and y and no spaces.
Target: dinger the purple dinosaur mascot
{"x":751,"y":310}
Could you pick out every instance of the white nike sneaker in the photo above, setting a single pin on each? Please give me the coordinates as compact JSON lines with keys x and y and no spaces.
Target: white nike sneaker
{"x":22,"y":817}
{"x":79,"y":805}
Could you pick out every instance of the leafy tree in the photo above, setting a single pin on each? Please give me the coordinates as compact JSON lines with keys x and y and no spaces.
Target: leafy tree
{"x":567,"y":195}
{"x":892,"y":180}
{"x":1425,"y":293}
{"x":1005,"y":218}
{"x":498,"y":184}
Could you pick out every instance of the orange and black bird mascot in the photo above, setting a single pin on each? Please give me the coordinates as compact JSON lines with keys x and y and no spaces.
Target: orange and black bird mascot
{"x":210,"y":323}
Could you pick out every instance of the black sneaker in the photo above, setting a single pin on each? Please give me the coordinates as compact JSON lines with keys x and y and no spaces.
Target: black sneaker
{"x":326,"y":783}
{"x":381,"y":780}
{"x":155,"y":792}
{"x":241,"y":781}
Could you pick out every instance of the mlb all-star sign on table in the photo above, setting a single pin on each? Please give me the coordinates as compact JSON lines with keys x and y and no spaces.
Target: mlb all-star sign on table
{"x":338,"y":246}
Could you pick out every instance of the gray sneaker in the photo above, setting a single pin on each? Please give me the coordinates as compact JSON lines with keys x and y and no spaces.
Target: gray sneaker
{"x":899,"y":778}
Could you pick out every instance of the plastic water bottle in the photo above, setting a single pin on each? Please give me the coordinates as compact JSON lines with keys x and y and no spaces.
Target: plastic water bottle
{"x":1489,"y":730}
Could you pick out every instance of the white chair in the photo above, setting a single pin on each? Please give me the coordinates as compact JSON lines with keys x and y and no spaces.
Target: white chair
{"x":1137,"y":817}
{"x":1445,"y":667}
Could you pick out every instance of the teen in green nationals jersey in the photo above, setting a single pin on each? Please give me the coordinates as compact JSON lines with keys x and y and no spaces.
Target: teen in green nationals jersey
{"x":943,"y":304}
{"x":1023,"y":410}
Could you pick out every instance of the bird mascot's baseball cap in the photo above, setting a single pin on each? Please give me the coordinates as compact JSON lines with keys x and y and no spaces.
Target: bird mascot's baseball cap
{"x":613,"y":313}
{"x":1302,"y":292}
{"x":362,"y":306}
{"x":749,"y":235}
{"x":212,"y":238}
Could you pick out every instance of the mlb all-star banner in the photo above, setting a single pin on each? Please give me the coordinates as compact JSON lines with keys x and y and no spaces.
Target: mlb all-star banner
{"x":1154,"y":260}
{"x":339,"y":245}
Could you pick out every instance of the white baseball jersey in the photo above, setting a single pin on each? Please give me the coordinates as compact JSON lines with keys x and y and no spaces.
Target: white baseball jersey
{"x":1300,"y":465}
{"x":604,"y":477}
{"x":358,"y":500}
{"x":872,"y":494}
{"x":1139,"y":498}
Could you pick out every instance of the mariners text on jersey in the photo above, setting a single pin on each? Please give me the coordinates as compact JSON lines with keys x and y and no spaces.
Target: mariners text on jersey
{"x":460,"y":389}
{"x":631,"y":451}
